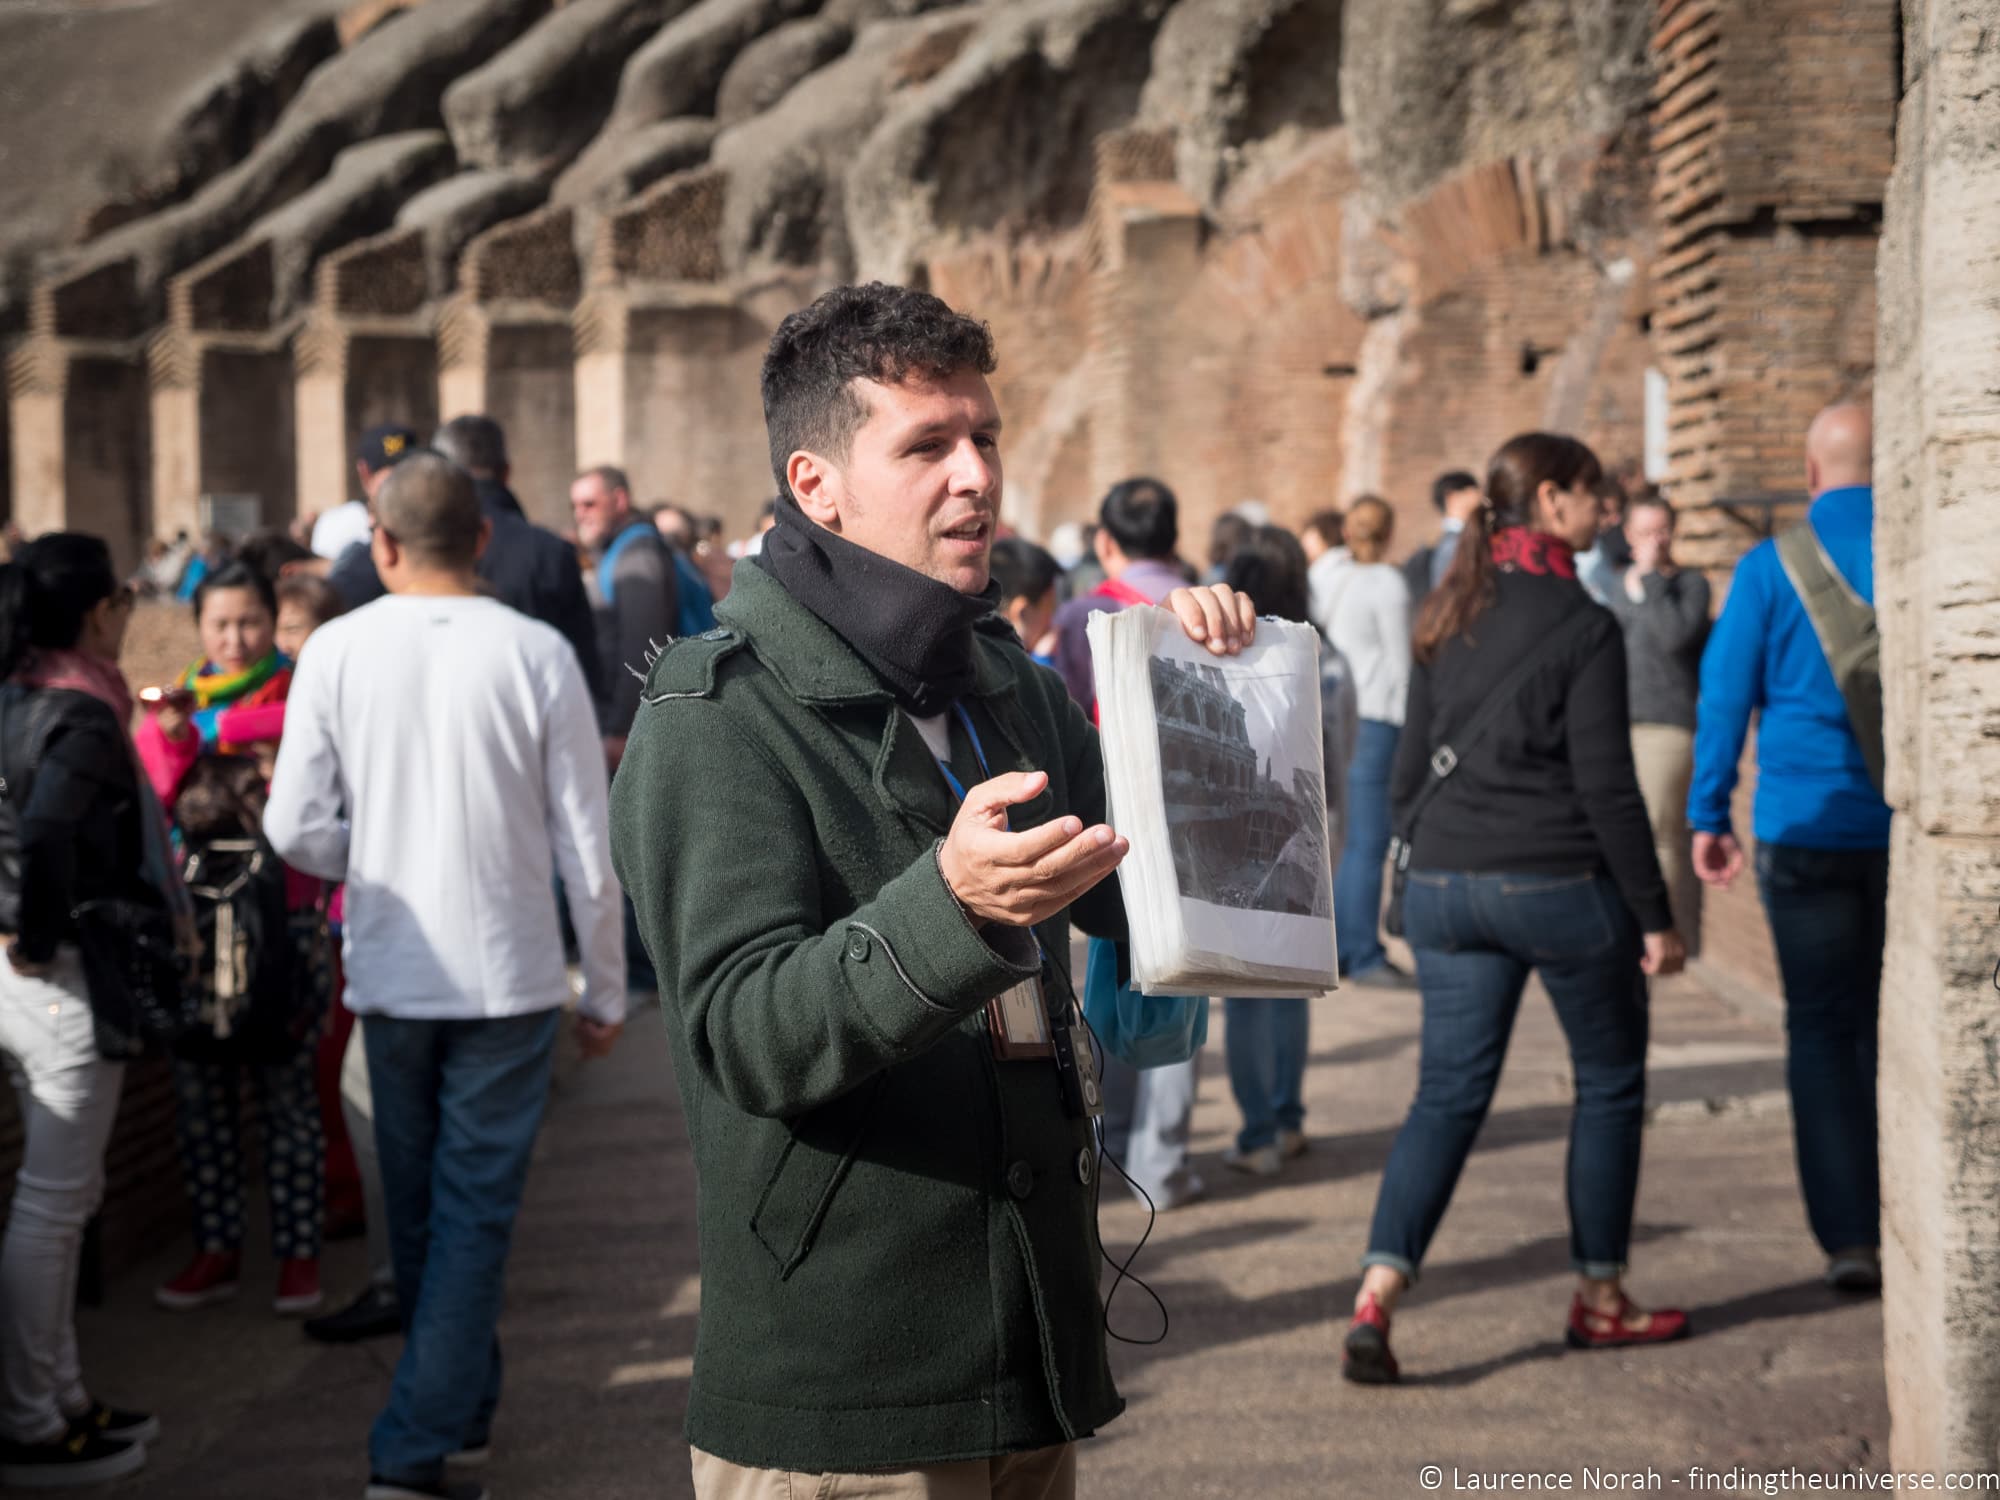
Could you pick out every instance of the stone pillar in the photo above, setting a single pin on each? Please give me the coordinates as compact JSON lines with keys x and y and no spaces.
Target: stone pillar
{"x":366,"y":354}
{"x":506,"y":348}
{"x":221,"y":394}
{"x":667,"y":356}
{"x":1146,"y":235}
{"x":77,"y":402}
{"x":1937,"y":592}
{"x":76,"y":392}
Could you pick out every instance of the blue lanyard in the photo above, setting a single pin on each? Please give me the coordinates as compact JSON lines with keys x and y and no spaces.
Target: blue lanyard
{"x":986,"y":774}
{"x":978,"y":751}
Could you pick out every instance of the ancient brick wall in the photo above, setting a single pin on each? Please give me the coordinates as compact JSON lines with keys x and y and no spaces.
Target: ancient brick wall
{"x":1480,"y":363}
{"x":1772,"y":128}
{"x":1035,"y":298}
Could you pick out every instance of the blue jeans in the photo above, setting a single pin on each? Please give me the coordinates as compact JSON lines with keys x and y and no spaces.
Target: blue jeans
{"x":1147,"y":1115}
{"x":1266,"y":1042}
{"x":1827,"y":909}
{"x":1357,"y":885}
{"x":457,"y":1104}
{"x":1476,"y":937}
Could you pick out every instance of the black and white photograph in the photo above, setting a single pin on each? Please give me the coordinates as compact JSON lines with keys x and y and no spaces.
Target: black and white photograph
{"x":1248,"y":830}
{"x":1217,"y":776}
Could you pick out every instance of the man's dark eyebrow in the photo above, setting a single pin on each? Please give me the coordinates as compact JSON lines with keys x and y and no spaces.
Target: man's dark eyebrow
{"x":934,"y":429}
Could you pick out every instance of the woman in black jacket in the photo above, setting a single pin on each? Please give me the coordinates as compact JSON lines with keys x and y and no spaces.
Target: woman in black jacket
{"x":74,"y":826}
{"x":1534,"y":853}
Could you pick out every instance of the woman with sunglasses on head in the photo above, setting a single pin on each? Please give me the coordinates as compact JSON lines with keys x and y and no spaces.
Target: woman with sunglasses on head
{"x":78,"y":823}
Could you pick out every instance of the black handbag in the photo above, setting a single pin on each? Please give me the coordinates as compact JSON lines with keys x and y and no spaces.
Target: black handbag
{"x":140,"y":999}
{"x":1445,"y":758}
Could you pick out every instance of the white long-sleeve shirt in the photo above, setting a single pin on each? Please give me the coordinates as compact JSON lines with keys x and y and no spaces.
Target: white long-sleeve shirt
{"x":1364,"y":609}
{"x":441,"y":756}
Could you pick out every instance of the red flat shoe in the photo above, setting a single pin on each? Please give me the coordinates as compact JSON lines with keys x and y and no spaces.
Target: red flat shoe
{"x":1596,"y":1330}
{"x":1365,"y":1358}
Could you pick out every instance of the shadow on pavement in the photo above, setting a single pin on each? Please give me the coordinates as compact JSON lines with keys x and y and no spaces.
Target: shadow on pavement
{"x":1206,"y":1314}
{"x":1800,"y":1299}
{"x":1359,"y":1153}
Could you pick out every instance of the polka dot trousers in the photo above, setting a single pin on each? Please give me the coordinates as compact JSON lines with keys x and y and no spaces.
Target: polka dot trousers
{"x":211,"y":1114}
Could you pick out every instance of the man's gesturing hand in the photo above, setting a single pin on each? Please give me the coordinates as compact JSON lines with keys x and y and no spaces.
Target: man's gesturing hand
{"x":1021,"y":878}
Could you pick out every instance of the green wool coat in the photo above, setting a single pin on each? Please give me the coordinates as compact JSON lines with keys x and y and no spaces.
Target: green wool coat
{"x":899,"y":1246}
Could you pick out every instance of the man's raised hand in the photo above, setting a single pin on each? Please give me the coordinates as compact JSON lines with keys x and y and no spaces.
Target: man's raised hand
{"x":1216,"y":616}
{"x":1021,"y":878}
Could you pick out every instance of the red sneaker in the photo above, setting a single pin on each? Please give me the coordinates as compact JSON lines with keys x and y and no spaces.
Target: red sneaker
{"x":298,"y":1286}
{"x":1624,"y":1329}
{"x":1365,"y":1358}
{"x":210,"y":1277}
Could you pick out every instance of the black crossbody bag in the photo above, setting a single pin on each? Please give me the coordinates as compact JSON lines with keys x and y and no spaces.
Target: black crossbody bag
{"x":1445,"y":758}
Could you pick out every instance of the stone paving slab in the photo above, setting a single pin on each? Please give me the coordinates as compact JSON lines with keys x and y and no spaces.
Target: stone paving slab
{"x":1242,"y":1398}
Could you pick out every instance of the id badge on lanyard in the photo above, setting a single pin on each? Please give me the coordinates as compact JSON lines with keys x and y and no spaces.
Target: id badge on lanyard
{"x":1018,"y":1018}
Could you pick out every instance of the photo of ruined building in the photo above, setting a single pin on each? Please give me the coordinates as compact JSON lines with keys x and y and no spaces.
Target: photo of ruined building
{"x":1242,"y":836}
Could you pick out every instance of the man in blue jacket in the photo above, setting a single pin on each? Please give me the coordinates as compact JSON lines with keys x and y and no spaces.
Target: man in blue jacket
{"x":1822,"y":840}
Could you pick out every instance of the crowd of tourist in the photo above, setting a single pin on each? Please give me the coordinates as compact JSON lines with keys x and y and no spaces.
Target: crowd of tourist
{"x":440,"y":775}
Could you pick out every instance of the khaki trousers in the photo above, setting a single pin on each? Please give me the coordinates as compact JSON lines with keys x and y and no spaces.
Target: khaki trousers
{"x":1664,"y":756}
{"x":1044,"y":1474}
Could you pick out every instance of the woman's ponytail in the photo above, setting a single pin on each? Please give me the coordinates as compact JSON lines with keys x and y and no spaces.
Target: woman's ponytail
{"x":1465,"y":589}
{"x":1513,"y":479}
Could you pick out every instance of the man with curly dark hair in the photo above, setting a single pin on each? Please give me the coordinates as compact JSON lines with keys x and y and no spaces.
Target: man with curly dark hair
{"x":891,"y":1129}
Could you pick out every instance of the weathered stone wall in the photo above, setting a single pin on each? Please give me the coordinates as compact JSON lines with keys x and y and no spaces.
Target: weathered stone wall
{"x":1937,"y":590}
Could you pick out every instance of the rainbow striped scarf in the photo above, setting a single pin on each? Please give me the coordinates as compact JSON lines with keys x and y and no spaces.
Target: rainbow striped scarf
{"x":215,"y":691}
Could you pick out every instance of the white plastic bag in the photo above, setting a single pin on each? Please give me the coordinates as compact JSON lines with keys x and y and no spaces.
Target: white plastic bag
{"x":1217,"y":776}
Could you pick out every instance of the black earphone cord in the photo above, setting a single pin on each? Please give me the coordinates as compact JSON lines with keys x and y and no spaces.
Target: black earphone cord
{"x":1124,"y":1268}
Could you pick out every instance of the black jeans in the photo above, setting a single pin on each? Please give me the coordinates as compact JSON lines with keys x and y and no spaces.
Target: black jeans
{"x":1827,"y":909}
{"x":1476,"y":937}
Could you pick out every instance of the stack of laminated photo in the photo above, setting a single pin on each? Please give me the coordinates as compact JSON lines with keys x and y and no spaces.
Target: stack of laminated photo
{"x":1217,"y":777}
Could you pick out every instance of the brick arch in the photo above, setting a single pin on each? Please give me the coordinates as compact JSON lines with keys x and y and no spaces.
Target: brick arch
{"x":1257,"y":272}
{"x":1471,"y":219}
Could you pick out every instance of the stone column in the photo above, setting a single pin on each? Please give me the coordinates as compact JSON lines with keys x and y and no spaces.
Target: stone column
{"x":506,"y":348}
{"x":76,"y":392}
{"x":667,"y":355}
{"x":1146,"y":237}
{"x":221,"y":394}
{"x":366,"y":354}
{"x":1937,"y":592}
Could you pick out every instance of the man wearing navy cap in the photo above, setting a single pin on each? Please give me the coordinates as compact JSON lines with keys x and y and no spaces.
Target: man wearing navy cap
{"x":380,"y":450}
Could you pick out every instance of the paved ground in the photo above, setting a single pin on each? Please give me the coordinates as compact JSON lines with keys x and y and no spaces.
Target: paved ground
{"x":1243,"y":1396}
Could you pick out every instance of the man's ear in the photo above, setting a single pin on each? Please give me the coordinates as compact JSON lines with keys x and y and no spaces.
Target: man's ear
{"x":816,"y":485}
{"x":485,"y":536}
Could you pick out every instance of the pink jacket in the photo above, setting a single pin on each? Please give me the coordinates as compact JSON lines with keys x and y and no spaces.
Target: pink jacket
{"x":167,"y":763}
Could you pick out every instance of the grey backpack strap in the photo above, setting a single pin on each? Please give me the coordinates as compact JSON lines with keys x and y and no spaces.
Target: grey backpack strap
{"x":1844,"y":622}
